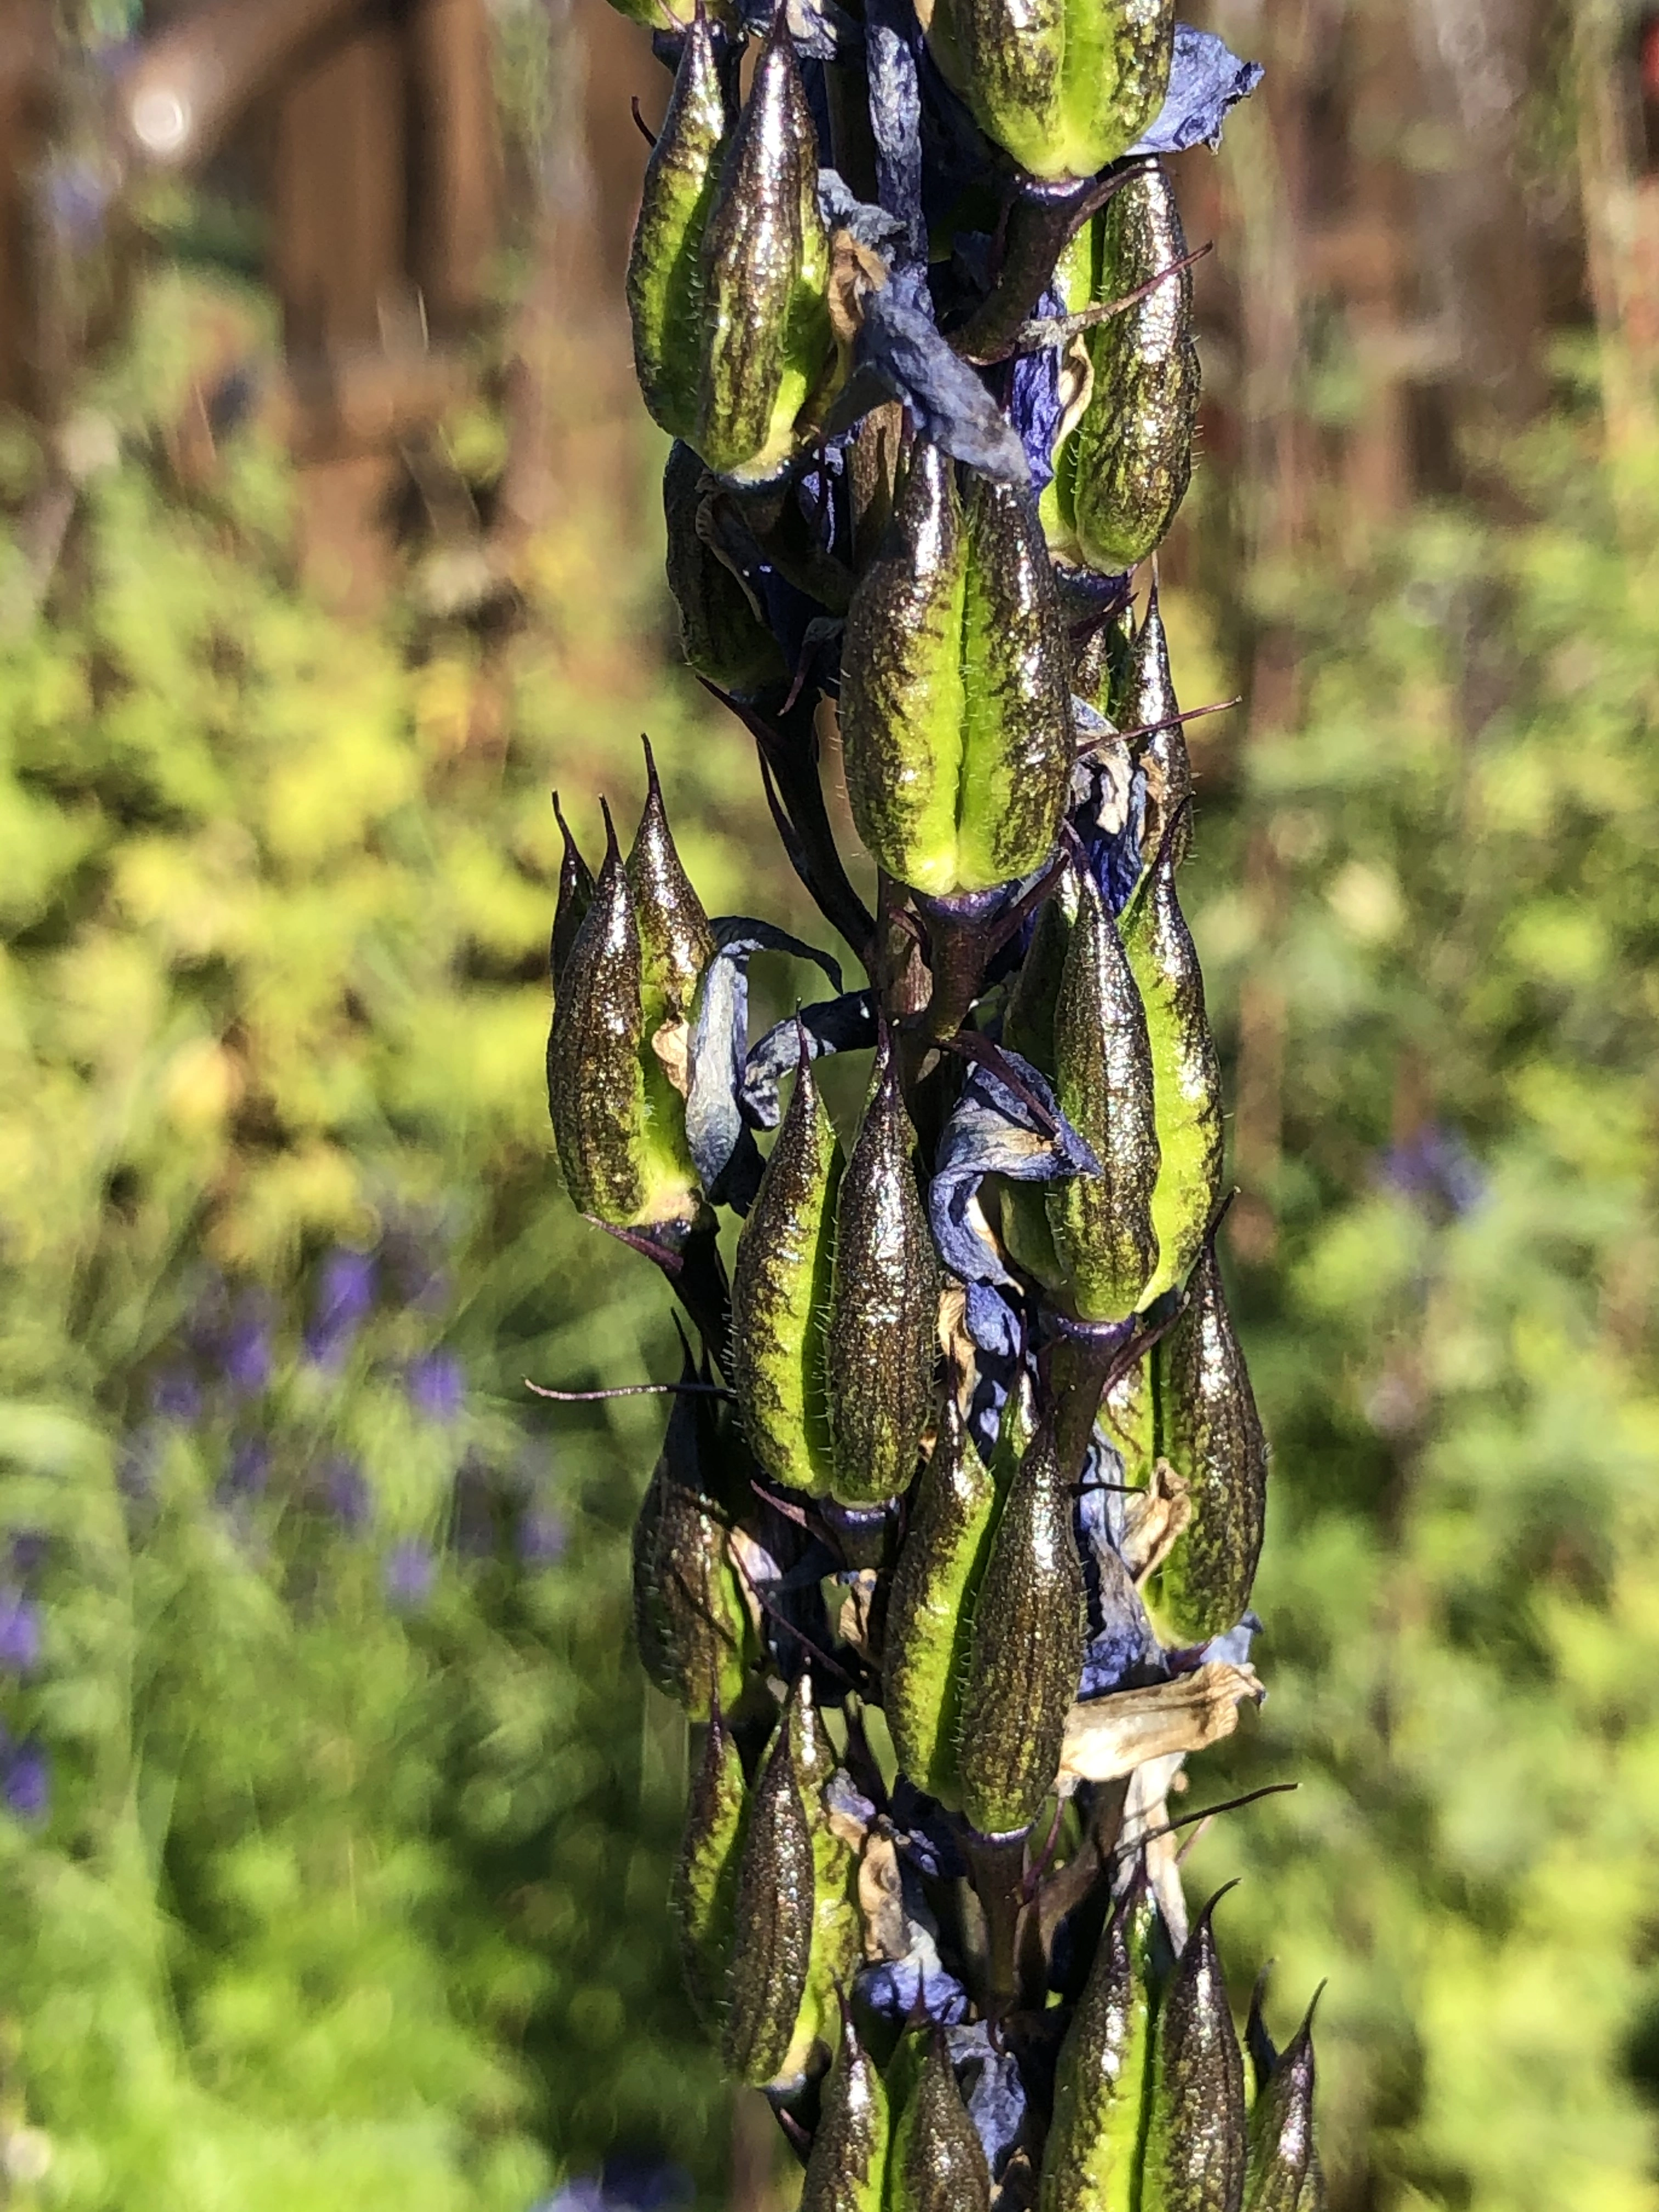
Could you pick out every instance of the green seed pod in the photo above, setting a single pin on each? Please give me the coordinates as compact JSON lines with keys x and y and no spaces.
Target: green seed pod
{"x":767,"y":1979}
{"x":595,"y":1075}
{"x":1026,"y":1651}
{"x":938,"y":2162}
{"x":1063,"y":86}
{"x":837,"y":1929}
{"x":1102,"y":1224}
{"x":1127,"y":1414}
{"x":692,"y":1623}
{"x":1149,"y":703}
{"x":575,"y":896}
{"x":884,"y":1307}
{"x":1130,"y":458}
{"x":1195,"y":2146}
{"x":955,"y":689}
{"x":847,"y":2170}
{"x":764,"y":266}
{"x":930,"y":1607}
{"x":780,"y":1292}
{"x":1091,"y":2161}
{"x":675,"y":946}
{"x":1211,"y":1434}
{"x":703,"y":1897}
{"x":1185,"y":1074}
{"x":722,"y":635}
{"x":665,"y":274}
{"x":1283,"y":2173}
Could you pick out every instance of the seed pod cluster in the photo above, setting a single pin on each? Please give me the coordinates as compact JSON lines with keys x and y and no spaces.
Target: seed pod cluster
{"x":948,"y":1555}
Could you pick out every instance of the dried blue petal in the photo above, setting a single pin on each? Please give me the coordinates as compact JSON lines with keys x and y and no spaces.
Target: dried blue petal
{"x":876,"y":228}
{"x":1121,"y":1647}
{"x":993,"y":1130}
{"x":993,"y":1325}
{"x":993,"y":2092}
{"x":722,"y":1146}
{"x":844,"y":1024}
{"x":1233,"y":1648}
{"x":899,"y":354}
{"x":928,"y":1837}
{"x":1034,"y":403}
{"x":1107,"y":809}
{"x":914,"y":1982}
{"x":1205,"y":80}
{"x":891,"y":36}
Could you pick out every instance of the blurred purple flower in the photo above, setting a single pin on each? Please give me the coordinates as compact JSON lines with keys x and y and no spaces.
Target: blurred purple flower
{"x":176,"y":1395}
{"x":1436,"y":1169}
{"x":19,"y":1631}
{"x":437,"y":1385}
{"x":345,"y":1293}
{"x":244,"y":1348}
{"x":347,"y":1490}
{"x":30,"y":1549}
{"x":542,"y":1536}
{"x":409,"y":1574}
{"x":26,"y":1780}
{"x":247,"y":1467}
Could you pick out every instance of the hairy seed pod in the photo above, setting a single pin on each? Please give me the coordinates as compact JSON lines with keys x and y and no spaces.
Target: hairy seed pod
{"x":837,"y":1928}
{"x":703,"y":1893}
{"x":676,"y":943}
{"x":764,"y":267}
{"x":767,"y":1979}
{"x":1102,"y":1223}
{"x":884,"y":1307}
{"x":1130,"y":458}
{"x":938,"y":2162}
{"x":1185,"y":1074}
{"x":930,"y":1606}
{"x":956,"y":690}
{"x":847,"y":2170}
{"x":1149,"y":703}
{"x":1195,"y":2146}
{"x":575,"y":896}
{"x":691,"y":1620}
{"x":1063,"y":86}
{"x":722,"y":633}
{"x":1211,"y":1433}
{"x":1282,"y":2173}
{"x":781,"y":1288}
{"x":1091,"y":2161}
{"x":664,"y":274}
{"x":1026,"y":1651}
{"x":595,"y":1079}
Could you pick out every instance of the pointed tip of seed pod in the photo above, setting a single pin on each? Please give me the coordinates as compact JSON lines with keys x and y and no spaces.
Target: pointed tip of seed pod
{"x":804,"y":1047}
{"x":612,"y":849}
{"x":1264,"y":2052}
{"x":653,"y":787}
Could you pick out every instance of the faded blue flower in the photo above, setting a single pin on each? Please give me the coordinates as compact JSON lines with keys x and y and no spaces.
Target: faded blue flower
{"x":19,"y":1631}
{"x":408,"y":1575}
{"x":437,"y":1385}
{"x":26,"y":1779}
{"x":245,"y":1349}
{"x":176,"y":1395}
{"x":345,"y":1295}
{"x":1435,"y":1169}
{"x":346,"y":1489}
{"x":247,"y":1467}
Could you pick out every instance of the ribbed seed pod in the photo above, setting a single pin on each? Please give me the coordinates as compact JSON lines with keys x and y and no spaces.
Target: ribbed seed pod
{"x":675,"y":946}
{"x":956,"y":690}
{"x":691,"y":1620}
{"x":938,"y":2162}
{"x":1211,"y":1433}
{"x":575,"y":896}
{"x":595,"y":1079}
{"x":1102,"y":1224}
{"x":884,"y":1307}
{"x":930,"y":1606}
{"x":703,"y":1895}
{"x":1149,"y":703}
{"x":1063,"y":86}
{"x":1195,"y":2146}
{"x":846,"y":2169}
{"x":764,"y":267}
{"x":722,"y":635}
{"x":837,"y":1929}
{"x":1185,"y":1074}
{"x":665,"y":274}
{"x":1026,"y":1651}
{"x":780,"y":1289}
{"x":1130,"y":458}
{"x":766,"y":1983}
{"x":1092,"y":2160}
{"x":1283,"y":2173}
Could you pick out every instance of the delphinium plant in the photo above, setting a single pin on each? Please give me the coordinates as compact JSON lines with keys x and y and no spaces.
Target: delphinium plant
{"x":949,"y":1551}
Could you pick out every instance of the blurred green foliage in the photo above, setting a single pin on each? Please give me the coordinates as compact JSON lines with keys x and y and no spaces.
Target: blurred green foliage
{"x":1454,"y":1346}
{"x":337,"y":1818}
